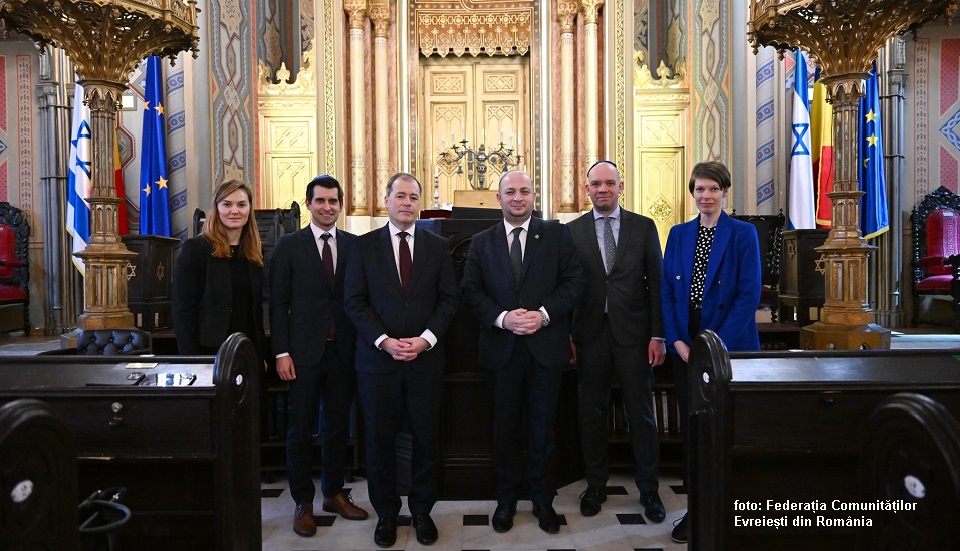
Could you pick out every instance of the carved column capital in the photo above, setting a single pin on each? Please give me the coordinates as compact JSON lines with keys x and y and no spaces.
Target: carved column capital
{"x":567,"y":11}
{"x":591,"y":9}
{"x":356,"y":10}
{"x":380,"y":17}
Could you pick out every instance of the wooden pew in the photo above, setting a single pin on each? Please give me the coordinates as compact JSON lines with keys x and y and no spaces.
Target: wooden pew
{"x":778,"y":439}
{"x":188,"y":455}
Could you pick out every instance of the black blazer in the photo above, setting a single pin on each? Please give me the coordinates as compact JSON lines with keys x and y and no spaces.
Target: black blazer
{"x":302,"y":301}
{"x":202,"y":297}
{"x":551,"y":277}
{"x":375,"y":301}
{"x":631,"y":290}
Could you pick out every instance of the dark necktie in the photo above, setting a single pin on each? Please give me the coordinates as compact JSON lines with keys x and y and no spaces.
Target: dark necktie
{"x":405,"y":261}
{"x":516,"y":255}
{"x":609,"y":244}
{"x":327,"y":258}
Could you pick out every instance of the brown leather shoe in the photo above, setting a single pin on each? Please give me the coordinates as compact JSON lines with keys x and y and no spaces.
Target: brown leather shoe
{"x":342,"y":504}
{"x":303,"y":523}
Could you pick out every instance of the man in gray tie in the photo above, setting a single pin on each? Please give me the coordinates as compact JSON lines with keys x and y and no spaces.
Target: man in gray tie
{"x":618,"y":332}
{"x":522,"y":281}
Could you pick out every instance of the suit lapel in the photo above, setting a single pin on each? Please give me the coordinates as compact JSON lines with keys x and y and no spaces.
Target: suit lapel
{"x":420,"y":253}
{"x":533,"y":245}
{"x":343,"y":249}
{"x":387,"y":259}
{"x":501,"y":250}
{"x":623,"y":239}
{"x":720,"y":241}
{"x":313,"y":253}
{"x":590,"y":235}
{"x":688,"y":252}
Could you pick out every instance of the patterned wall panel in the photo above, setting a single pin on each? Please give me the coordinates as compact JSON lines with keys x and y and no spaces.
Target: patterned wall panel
{"x":181,"y":217}
{"x":921,"y":79}
{"x":231,"y":66}
{"x":766,"y":126}
{"x":269,"y":44}
{"x":641,"y":27}
{"x":4,"y":135}
{"x":25,"y":151}
{"x":711,"y":80}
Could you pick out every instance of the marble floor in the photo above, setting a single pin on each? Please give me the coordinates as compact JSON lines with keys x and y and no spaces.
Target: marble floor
{"x":465,"y":525}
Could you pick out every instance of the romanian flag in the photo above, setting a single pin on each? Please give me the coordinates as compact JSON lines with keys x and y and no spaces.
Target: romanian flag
{"x":874,"y":217}
{"x":821,"y":124}
{"x":123,"y":227}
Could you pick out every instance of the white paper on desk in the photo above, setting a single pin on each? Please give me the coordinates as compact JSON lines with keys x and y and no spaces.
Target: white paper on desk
{"x":140,"y":365}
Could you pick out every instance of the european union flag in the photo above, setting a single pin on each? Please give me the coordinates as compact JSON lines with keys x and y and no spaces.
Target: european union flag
{"x":154,"y":193}
{"x":874,"y":217}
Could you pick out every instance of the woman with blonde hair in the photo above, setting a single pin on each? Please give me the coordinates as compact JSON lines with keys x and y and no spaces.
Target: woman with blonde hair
{"x":218,"y":278}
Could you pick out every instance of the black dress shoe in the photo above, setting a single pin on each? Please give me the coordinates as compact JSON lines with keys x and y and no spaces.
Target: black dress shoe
{"x":426,"y":529}
{"x":386,"y":533}
{"x":652,"y":506}
{"x":590,"y":500}
{"x":503,"y":517}
{"x":549,"y":521}
{"x":681,"y":532}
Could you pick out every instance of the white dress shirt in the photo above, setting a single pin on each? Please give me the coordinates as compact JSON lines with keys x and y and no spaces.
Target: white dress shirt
{"x":427,"y":334}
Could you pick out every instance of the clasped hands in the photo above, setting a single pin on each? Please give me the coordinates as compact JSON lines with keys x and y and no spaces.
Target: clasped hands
{"x":404,"y":349}
{"x":522,"y":321}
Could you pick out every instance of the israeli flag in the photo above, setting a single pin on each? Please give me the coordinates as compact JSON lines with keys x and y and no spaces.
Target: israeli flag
{"x":801,"y":210}
{"x":79,"y":183}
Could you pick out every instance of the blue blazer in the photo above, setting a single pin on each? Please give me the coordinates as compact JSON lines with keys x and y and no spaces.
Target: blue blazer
{"x":731,"y":293}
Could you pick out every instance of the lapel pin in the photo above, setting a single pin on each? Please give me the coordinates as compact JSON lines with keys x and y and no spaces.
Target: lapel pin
{"x":678,"y":277}
{"x":536,"y":236}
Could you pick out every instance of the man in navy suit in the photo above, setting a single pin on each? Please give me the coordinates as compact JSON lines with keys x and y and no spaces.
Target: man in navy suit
{"x":522,"y":281}
{"x":401,"y":294}
{"x":618,"y":331}
{"x":314,"y":343}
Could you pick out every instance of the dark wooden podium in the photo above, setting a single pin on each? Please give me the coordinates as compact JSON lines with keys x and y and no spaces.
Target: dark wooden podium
{"x":467,"y":415}
{"x":150,"y":280}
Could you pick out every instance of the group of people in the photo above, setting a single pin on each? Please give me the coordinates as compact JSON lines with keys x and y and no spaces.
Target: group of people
{"x":367,"y":315}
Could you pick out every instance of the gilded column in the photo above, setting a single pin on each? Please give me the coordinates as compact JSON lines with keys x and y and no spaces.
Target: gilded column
{"x":566,"y":15}
{"x":380,"y":16}
{"x":591,"y":77}
{"x":357,"y":11}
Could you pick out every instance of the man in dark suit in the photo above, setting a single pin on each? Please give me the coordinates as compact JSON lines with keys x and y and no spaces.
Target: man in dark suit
{"x":314,"y":343}
{"x":401,"y":294}
{"x":618,"y":331}
{"x":522,"y":281}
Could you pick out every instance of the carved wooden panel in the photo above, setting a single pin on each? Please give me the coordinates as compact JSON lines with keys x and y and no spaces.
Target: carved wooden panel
{"x":661,"y":187}
{"x":482,"y":100}
{"x":661,"y":130}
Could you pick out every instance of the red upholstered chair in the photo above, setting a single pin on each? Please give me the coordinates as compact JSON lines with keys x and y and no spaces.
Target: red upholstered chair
{"x":14,"y":261}
{"x":936,"y":239}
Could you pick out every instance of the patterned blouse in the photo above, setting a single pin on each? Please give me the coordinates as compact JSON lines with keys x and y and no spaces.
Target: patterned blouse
{"x":704,"y":242}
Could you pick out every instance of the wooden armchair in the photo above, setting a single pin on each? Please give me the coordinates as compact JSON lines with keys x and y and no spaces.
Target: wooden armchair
{"x":770,"y":232}
{"x":14,"y":261}
{"x":936,"y":244}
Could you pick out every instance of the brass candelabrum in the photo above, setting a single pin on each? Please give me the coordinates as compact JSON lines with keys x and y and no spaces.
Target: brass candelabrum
{"x":477,"y":160}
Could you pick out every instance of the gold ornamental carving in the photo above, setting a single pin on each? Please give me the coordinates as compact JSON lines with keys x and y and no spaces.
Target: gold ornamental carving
{"x":106,"y":40}
{"x":380,"y":17}
{"x":305,"y":85}
{"x":591,"y":10}
{"x":502,"y":31}
{"x":356,"y":12}
{"x":643,"y":79}
{"x":843,"y":36}
{"x":567,"y":11}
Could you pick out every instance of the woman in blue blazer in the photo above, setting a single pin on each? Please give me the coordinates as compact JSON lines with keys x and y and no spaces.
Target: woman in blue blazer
{"x":711,"y":280}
